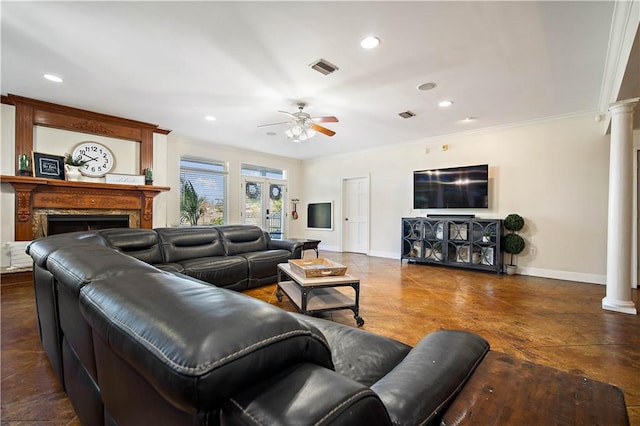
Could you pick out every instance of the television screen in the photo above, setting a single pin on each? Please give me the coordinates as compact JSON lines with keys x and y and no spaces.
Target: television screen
{"x":457,"y":187}
{"x":319,"y":215}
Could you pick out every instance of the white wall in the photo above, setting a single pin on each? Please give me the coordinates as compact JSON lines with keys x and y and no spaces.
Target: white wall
{"x":553,"y":173}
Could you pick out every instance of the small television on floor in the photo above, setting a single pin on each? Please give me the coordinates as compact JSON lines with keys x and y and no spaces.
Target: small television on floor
{"x":452,"y":188}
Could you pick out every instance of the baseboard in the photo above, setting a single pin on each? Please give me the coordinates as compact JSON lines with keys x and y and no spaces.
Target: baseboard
{"x":563,"y":275}
{"x":522,"y":270}
{"x":385,"y":254}
{"x":328,"y":248}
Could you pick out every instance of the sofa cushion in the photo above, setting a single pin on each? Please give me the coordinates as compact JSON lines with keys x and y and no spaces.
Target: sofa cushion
{"x":242,"y":239}
{"x":197,"y":344}
{"x":76,"y":266}
{"x":140,"y":243}
{"x":189,"y":243}
{"x":40,"y":249}
{"x":222,"y":271}
{"x":305,"y":394}
{"x":358,"y":354}
{"x":264,"y":264}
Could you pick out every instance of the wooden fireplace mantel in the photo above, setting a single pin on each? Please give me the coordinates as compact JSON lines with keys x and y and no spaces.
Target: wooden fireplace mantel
{"x":33,"y":193}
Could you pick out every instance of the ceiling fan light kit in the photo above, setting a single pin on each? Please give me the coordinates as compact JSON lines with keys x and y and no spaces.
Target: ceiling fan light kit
{"x":303,"y":126}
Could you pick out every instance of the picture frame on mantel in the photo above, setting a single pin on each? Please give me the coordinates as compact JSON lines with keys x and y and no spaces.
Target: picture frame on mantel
{"x":47,"y":166}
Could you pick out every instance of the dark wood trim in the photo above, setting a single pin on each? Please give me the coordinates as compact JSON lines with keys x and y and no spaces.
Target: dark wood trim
{"x":52,"y":193}
{"x":33,"y":112}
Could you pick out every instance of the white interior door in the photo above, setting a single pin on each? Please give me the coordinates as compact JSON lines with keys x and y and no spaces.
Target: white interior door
{"x":264,"y":202}
{"x":355,"y":214}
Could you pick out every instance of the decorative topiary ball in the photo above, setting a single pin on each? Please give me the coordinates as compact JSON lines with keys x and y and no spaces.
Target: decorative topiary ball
{"x":513,"y":222}
{"x":513,"y":244}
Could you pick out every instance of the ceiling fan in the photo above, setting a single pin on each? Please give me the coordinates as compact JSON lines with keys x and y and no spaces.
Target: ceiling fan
{"x":303,"y":126}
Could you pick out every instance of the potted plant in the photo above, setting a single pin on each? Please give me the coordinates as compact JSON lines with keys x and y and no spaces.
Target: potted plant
{"x":72,"y":166}
{"x":486,"y":236}
{"x":192,"y":205}
{"x":24,"y":165}
{"x":148,"y":176}
{"x":513,"y":243}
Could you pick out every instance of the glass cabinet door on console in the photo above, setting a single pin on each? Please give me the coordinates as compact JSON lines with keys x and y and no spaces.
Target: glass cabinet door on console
{"x":468,"y":243}
{"x":412,"y":231}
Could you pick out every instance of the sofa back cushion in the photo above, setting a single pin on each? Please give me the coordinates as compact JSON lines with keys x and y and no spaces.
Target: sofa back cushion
{"x":242,"y":238}
{"x":189,"y":243}
{"x":140,"y":243}
{"x":78,"y":265}
{"x":40,"y":249}
{"x":197,"y":344}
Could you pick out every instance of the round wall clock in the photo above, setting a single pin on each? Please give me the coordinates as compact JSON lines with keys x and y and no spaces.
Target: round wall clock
{"x":98,"y":158}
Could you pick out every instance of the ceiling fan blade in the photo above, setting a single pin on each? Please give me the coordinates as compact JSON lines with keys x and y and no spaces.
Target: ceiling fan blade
{"x":322,"y":130}
{"x":273,"y":124}
{"x":289,"y":114}
{"x":330,"y":119}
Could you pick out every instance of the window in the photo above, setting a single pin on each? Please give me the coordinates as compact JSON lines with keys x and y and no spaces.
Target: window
{"x":258,"y":171}
{"x":203,"y":194}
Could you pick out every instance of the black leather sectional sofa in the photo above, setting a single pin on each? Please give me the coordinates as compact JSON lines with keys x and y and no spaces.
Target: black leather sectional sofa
{"x":139,"y":338}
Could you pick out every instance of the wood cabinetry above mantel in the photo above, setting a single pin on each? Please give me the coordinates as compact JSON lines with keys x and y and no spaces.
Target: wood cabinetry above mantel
{"x":33,"y":112}
{"x":36,"y":193}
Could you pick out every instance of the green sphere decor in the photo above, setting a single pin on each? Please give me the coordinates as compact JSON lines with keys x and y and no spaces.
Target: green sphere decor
{"x":513,"y":244}
{"x":513,"y":222}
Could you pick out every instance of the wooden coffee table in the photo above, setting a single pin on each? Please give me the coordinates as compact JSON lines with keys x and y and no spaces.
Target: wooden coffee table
{"x":313,"y":295}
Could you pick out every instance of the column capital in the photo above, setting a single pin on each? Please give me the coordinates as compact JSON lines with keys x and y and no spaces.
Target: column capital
{"x":623,"y":106}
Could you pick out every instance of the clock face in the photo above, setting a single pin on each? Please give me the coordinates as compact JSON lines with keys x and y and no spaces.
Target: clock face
{"x":99,"y":158}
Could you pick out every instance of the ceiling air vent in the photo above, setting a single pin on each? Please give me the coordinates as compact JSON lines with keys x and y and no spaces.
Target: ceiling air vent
{"x":407,"y":114}
{"x":323,"y":67}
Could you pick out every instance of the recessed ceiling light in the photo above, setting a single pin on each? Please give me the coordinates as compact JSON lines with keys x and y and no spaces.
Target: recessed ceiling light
{"x":210,"y":118}
{"x":53,"y":78}
{"x":469,"y":119}
{"x":445,"y":103}
{"x":370,"y":42}
{"x":426,"y":86}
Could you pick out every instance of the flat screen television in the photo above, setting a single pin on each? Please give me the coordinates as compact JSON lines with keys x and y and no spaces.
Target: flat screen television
{"x":452,"y":188}
{"x":320,"y":215}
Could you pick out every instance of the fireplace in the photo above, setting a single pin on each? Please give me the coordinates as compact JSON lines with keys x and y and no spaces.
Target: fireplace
{"x":37,"y":198}
{"x":57,"y":221}
{"x":61,"y":223}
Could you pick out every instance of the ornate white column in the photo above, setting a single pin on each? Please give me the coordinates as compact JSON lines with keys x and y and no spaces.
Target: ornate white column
{"x":619,"y":235}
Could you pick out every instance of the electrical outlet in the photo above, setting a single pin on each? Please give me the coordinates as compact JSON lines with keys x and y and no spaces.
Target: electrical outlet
{"x":533,"y":250}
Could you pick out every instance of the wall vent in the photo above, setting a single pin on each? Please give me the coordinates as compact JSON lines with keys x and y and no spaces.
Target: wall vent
{"x":406,"y":114}
{"x":323,"y":66}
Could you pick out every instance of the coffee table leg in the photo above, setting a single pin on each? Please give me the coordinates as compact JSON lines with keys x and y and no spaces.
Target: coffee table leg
{"x":303,"y":302}
{"x":356,"y":310}
{"x":278,"y":293}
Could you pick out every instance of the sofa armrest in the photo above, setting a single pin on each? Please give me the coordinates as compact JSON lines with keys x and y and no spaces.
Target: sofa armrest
{"x":418,"y":389}
{"x":295,"y":247}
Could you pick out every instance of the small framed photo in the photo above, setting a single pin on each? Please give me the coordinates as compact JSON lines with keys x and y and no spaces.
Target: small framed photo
{"x":48,"y":166}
